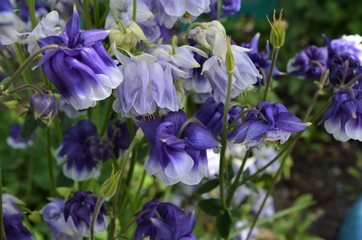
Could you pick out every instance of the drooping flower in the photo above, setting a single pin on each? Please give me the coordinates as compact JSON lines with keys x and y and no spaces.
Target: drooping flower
{"x":10,"y":24}
{"x":266,"y":123}
{"x":44,"y":106}
{"x":147,"y":84}
{"x":260,"y":59}
{"x":68,"y":109}
{"x":80,"y":68}
{"x":178,"y":148}
{"x":53,"y":215}
{"x":344,"y":118}
{"x":158,"y":220}
{"x":228,"y":8}
{"x":350,"y":45}
{"x":211,"y":115}
{"x":82,"y":151}
{"x":16,"y":141}
{"x":310,"y":63}
{"x":342,"y":69}
{"x":78,"y":212}
{"x":10,"y":204}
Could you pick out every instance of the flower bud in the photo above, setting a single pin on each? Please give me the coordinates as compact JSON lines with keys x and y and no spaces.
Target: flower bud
{"x":109,"y":187}
{"x":277,"y":33}
{"x":44,"y":106}
{"x":229,"y":61}
{"x":127,"y":37}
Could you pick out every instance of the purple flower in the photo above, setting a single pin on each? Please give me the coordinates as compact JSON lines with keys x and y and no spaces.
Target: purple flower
{"x":69,"y":110}
{"x":350,"y":45}
{"x":53,"y":215}
{"x":83,"y":151}
{"x":344,"y":118}
{"x":310,"y":63}
{"x":78,"y":211}
{"x":16,"y":141}
{"x":10,"y":24}
{"x":211,"y":115}
{"x":159,"y":220}
{"x":44,"y":106}
{"x":267,"y":122}
{"x":260,"y":59}
{"x":342,"y":69}
{"x":14,"y":228}
{"x":178,"y":148}
{"x":228,"y":8}
{"x":80,"y":68}
{"x":119,"y":135}
{"x":10,"y":203}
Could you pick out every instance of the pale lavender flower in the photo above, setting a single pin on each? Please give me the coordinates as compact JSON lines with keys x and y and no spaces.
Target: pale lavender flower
{"x":350,"y":45}
{"x":68,"y":109}
{"x":10,"y":24}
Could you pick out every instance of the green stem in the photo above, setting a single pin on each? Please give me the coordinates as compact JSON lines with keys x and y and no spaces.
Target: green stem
{"x":21,"y":58}
{"x":50,"y":163}
{"x":222,"y":167}
{"x":88,"y":20}
{"x":268,"y":81}
{"x":219,"y":5}
{"x":94,"y":216}
{"x":134,"y":13}
{"x":106,"y":117}
{"x":58,"y":129}
{"x":138,"y":193}
{"x":31,"y":9}
{"x":26,"y":63}
{"x":23,"y":87}
{"x":96,"y":13}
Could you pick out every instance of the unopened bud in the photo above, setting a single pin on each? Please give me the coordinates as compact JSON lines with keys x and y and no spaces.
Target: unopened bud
{"x":44,"y":106}
{"x":277,"y":33}
{"x":229,"y":61}
{"x":109,"y":187}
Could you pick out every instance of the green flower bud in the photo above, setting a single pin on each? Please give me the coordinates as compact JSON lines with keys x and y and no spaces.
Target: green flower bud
{"x":277,"y":33}
{"x":44,"y":106}
{"x":229,"y":61}
{"x":109,"y":187}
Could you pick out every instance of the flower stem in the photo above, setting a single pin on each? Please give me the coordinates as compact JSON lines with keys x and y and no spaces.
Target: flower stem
{"x":134,"y":13}
{"x":96,"y":13}
{"x":22,"y":87}
{"x":26,"y":63}
{"x":268,"y":81}
{"x":50,"y":163}
{"x":222,"y":167}
{"x":31,"y":8}
{"x":88,"y":20}
{"x":219,"y":4}
{"x":94,"y":216}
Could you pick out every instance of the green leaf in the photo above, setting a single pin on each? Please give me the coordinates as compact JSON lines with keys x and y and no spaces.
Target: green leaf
{"x":246,"y":173}
{"x":252,"y":186}
{"x":207,"y":186}
{"x":223,"y":223}
{"x":29,"y":125}
{"x":211,"y":206}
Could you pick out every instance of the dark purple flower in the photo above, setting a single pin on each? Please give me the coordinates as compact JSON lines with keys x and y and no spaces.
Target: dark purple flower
{"x":159,"y":220}
{"x":80,"y":68}
{"x":267,"y":122}
{"x":83,"y":151}
{"x":342,"y":69}
{"x":53,"y":215}
{"x":310,"y":63}
{"x":44,"y":106}
{"x":211,"y":115}
{"x":178,"y":148}
{"x":119,"y":135}
{"x":78,"y":211}
{"x":228,"y":8}
{"x":14,"y":228}
{"x":260,"y":59}
{"x":344,"y":118}
{"x":16,"y":141}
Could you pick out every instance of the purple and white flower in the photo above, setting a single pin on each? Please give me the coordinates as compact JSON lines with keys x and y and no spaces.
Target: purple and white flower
{"x":15,"y":140}
{"x":350,"y":45}
{"x":178,"y":148}
{"x":80,"y":68}
{"x":228,"y":8}
{"x":10,"y":24}
{"x":44,"y":106}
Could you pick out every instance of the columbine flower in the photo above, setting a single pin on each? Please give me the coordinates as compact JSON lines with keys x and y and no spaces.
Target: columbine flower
{"x":343,"y":69}
{"x":16,"y":141}
{"x":211,"y":115}
{"x":10,"y":24}
{"x":207,"y":33}
{"x":228,"y":8}
{"x":68,"y":109}
{"x":310,"y":63}
{"x":147,"y":84}
{"x":159,"y":220}
{"x":53,"y":215}
{"x":268,"y":122}
{"x":350,"y":45}
{"x":44,"y":106}
{"x":178,"y":148}
{"x":83,"y":151}
{"x":78,"y":212}
{"x":343,"y":118}
{"x":80,"y":68}
{"x":260,"y":59}
{"x":119,"y":135}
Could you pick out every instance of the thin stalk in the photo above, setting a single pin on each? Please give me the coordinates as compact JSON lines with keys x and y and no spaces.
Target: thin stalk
{"x":88,"y":20}
{"x":235,"y":184}
{"x":58,"y":129}
{"x":106,"y":117}
{"x":50,"y":163}
{"x":222,"y":167}
{"x":268,"y":81}
{"x":138,"y":193}
{"x":134,"y":13}
{"x":31,"y":9}
{"x":96,"y":13}
{"x":23,"y":87}
{"x":19,"y":53}
{"x":95,"y":215}
{"x":26,"y":63}
{"x":219,"y":5}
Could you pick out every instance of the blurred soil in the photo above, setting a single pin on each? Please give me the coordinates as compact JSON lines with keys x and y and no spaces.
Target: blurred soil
{"x":324,"y":174}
